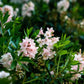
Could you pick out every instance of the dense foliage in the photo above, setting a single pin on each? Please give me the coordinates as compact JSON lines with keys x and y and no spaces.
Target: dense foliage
{"x":41,"y":42}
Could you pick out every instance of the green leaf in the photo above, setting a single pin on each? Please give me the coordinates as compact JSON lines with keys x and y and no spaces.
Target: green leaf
{"x":75,"y":62}
{"x":65,"y":37}
{"x":29,"y":31}
{"x":35,"y":34}
{"x":5,"y":81}
{"x":63,"y":52}
{"x":25,"y":33}
{"x":17,"y":41}
{"x":1,"y":14}
{"x":66,"y":42}
{"x":59,"y":45}
{"x":13,"y":65}
{"x":32,"y":75}
{"x":8,"y":25}
{"x":5,"y":17}
{"x":12,"y":44}
{"x":25,"y":67}
{"x":26,"y":59}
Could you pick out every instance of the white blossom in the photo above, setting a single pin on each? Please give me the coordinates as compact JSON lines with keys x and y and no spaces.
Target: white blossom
{"x":6,"y":60}
{"x":4,"y":74}
{"x":62,"y":6}
{"x":47,"y":1}
{"x":27,"y":9}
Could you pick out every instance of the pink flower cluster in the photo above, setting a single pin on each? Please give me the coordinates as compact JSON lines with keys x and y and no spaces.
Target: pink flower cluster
{"x":79,"y":69}
{"x":52,"y":72}
{"x":10,"y":10}
{"x":49,"y":40}
{"x":28,"y":48}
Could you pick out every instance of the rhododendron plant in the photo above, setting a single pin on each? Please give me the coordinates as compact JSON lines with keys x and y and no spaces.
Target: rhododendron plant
{"x":40,"y":40}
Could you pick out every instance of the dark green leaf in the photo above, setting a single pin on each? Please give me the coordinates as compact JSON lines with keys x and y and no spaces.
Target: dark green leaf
{"x":13,"y":65}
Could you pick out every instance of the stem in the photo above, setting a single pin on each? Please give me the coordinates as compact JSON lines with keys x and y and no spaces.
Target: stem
{"x":7,"y":47}
{"x":24,"y":80}
{"x":2,"y":29}
{"x":2,"y":36}
{"x":55,"y":60}
{"x":39,"y":78}
{"x":76,"y":81}
{"x":48,"y":70}
{"x":66,"y":63}
{"x":58,"y":64}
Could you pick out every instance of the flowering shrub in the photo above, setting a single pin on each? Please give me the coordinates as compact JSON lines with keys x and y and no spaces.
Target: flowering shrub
{"x":35,"y":54}
{"x":47,"y":53}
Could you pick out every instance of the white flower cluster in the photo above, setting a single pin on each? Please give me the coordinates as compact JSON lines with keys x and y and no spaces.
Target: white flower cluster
{"x":27,"y":9}
{"x":47,"y":1}
{"x":78,"y":57}
{"x":4,"y":74}
{"x":1,"y":3}
{"x":62,"y":6}
{"x":47,"y":53}
{"x":16,"y":12}
{"x":6,"y":60}
{"x":66,"y":18}
{"x":82,"y":24}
